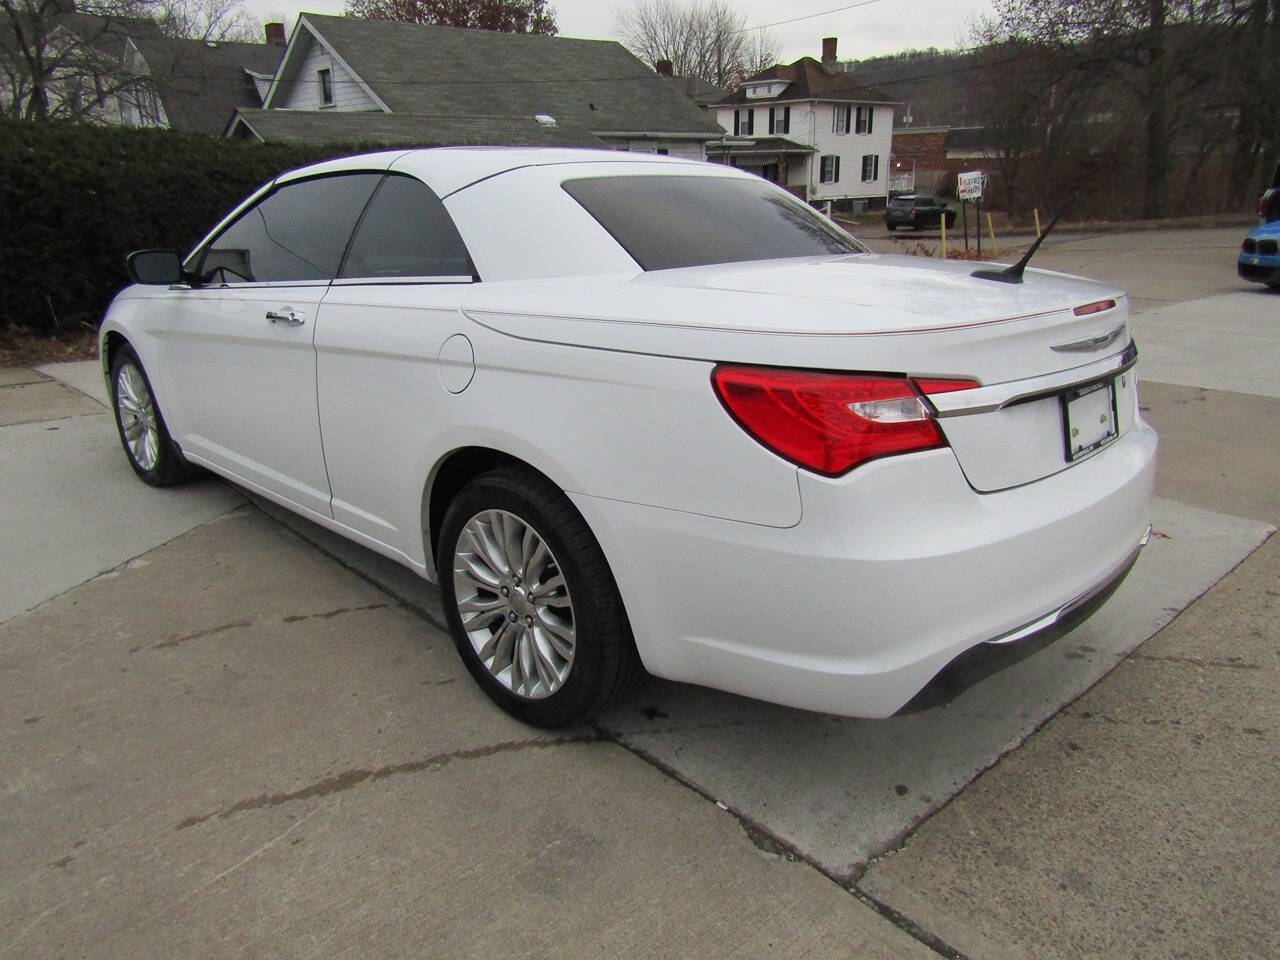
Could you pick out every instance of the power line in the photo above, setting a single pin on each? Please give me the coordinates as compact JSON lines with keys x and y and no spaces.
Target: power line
{"x":808,"y":16}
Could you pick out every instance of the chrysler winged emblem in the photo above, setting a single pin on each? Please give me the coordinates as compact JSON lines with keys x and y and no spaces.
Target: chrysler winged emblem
{"x":1093,"y":343}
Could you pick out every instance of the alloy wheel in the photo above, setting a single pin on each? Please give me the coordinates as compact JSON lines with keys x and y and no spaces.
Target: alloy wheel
{"x":137,"y":410}
{"x":514,"y":604}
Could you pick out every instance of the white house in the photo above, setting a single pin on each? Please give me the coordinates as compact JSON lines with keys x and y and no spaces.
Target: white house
{"x":813,"y":129}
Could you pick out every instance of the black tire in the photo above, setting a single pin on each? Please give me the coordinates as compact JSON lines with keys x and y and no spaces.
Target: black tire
{"x":604,"y":663}
{"x":170,"y":466}
{"x":891,"y":227}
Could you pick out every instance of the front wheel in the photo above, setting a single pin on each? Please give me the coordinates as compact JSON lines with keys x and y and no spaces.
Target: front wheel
{"x":143,"y":434}
{"x":891,"y":227}
{"x":531,"y":603}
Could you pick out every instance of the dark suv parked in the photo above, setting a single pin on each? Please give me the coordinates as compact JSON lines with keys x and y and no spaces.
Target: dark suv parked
{"x":916,"y":211}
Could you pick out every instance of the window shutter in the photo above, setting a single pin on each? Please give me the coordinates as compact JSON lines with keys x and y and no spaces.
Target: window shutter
{"x":836,"y":178}
{"x":786,"y":120}
{"x":871,"y":112}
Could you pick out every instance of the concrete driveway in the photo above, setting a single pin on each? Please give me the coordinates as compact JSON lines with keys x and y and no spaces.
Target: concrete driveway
{"x":224,"y":734}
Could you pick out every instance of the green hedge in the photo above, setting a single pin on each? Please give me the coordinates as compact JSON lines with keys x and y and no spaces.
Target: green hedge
{"x":77,"y":199}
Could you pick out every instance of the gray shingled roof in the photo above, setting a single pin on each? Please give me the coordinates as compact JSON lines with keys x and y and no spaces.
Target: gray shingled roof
{"x":201,"y":85}
{"x":404,"y":129}
{"x":807,"y":79}
{"x":702,"y":92}
{"x":454,"y":72}
{"x":746,"y":145}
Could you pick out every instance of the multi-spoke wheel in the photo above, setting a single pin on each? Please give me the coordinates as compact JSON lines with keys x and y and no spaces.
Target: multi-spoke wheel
{"x":533,"y":607}
{"x":143,"y":434}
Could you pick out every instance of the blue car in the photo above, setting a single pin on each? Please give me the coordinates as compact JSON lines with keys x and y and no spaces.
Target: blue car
{"x":1260,"y":255}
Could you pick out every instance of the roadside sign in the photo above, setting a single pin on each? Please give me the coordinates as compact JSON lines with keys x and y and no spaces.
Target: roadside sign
{"x":969,"y":185}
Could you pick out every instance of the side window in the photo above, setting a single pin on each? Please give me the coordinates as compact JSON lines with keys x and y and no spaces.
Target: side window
{"x":295,"y":233}
{"x":406,"y":232}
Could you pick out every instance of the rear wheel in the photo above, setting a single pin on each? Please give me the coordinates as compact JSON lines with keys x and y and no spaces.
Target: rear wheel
{"x":891,"y":226}
{"x":143,"y":433}
{"x":533,"y":608}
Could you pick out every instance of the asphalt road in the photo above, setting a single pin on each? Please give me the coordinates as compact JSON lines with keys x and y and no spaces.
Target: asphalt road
{"x":223,"y":735}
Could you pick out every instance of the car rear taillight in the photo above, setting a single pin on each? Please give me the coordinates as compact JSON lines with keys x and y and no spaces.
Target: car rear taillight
{"x":1098,"y":306}
{"x":830,"y":422}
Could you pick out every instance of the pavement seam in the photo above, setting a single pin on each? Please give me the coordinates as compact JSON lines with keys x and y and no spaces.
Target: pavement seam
{"x":119,"y":567}
{"x":419,"y":609}
{"x":71,"y":416}
{"x":84,"y":393}
{"x":769,"y":842}
{"x":904,"y":837}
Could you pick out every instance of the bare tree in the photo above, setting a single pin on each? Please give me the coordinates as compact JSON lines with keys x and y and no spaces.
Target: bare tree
{"x":705,"y":38}
{"x":208,"y":20}
{"x":1164,"y":59}
{"x":65,"y":61}
{"x":505,"y":16}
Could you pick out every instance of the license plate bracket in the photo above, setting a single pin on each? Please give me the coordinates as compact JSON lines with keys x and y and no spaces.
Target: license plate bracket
{"x":1089,"y":420}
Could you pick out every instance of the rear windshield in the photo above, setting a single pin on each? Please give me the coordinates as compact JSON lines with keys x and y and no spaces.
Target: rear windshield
{"x":682,"y":221}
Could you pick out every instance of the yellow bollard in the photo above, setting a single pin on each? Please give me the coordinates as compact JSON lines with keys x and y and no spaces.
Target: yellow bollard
{"x":1036,"y":211}
{"x":942,"y":221}
{"x":995,"y":251}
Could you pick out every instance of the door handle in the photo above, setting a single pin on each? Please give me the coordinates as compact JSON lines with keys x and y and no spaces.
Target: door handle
{"x":288,"y":316}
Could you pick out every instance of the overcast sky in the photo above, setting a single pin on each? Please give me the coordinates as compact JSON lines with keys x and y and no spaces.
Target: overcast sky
{"x":872,"y":28}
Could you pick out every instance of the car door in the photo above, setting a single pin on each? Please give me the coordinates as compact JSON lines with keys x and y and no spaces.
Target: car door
{"x":239,"y":364}
{"x":379,"y":346}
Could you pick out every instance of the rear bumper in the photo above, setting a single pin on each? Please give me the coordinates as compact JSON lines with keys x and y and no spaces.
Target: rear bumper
{"x":894,"y":571}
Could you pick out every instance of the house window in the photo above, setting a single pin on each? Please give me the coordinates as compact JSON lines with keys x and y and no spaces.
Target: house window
{"x":325,"y":76}
{"x":870,"y":167}
{"x":779,"y":120}
{"x":864,"y":119}
{"x":744,"y":123}
{"x":841,"y":118}
{"x":830,"y":170}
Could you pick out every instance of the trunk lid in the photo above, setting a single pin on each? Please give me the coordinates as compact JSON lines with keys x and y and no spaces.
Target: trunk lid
{"x":869,"y":313}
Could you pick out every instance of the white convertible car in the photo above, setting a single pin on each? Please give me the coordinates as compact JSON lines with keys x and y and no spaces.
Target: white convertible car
{"x":632,"y":411}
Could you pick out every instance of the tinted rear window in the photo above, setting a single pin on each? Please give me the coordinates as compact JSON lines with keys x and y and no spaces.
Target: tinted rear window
{"x":680,"y":221}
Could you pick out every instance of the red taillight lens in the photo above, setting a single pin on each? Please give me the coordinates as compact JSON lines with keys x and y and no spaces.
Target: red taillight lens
{"x":827,"y":422}
{"x":932,"y":385}
{"x":1096,"y":307}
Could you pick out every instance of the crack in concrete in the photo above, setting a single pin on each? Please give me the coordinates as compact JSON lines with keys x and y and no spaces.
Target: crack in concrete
{"x":1234,"y":663}
{"x":356,"y":776}
{"x":178,"y":641}
{"x":297,"y":618}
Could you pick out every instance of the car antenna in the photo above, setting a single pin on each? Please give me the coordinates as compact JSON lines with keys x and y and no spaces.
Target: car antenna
{"x":1013,"y":274}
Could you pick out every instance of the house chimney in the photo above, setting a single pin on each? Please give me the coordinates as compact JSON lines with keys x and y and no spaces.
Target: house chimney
{"x":275,"y":34}
{"x":663,"y":68}
{"x":829,"y":51}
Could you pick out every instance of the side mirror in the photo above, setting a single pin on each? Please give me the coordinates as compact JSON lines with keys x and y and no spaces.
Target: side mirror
{"x":154,"y":267}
